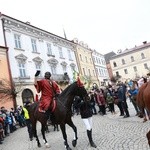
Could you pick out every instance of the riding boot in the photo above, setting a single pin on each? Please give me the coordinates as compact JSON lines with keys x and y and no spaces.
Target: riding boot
{"x":89,"y":134}
{"x":47,"y":114}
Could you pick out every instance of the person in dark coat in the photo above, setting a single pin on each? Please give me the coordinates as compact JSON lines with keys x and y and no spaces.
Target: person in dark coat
{"x":122,"y":97}
{"x":86,"y":115}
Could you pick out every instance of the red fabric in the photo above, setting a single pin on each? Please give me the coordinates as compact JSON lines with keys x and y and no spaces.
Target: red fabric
{"x":36,"y":98}
{"x":54,"y":105}
{"x":47,"y":92}
{"x":80,"y":84}
{"x":100,"y":99}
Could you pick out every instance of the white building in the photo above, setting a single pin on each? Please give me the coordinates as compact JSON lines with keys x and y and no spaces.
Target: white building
{"x":132,"y":63}
{"x":100,"y":67}
{"x":31,"y":49}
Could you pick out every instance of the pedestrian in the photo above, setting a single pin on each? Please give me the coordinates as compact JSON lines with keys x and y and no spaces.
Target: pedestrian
{"x":110,"y":102}
{"x":101,"y":101}
{"x":93,"y":102}
{"x":25,"y":113}
{"x":86,"y":115}
{"x":49,"y":90}
{"x":122,"y":97}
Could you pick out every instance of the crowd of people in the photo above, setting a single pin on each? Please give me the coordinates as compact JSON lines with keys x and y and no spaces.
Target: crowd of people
{"x":105,"y":99}
{"x":10,"y":120}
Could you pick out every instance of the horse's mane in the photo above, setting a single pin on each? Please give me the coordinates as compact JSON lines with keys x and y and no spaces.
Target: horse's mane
{"x":68,"y":89}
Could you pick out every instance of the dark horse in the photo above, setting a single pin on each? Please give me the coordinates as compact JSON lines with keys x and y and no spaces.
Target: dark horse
{"x":62,"y":113}
{"x":143,"y":101}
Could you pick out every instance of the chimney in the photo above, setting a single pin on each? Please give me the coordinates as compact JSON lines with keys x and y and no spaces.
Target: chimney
{"x":27,"y":22}
{"x":144,"y":42}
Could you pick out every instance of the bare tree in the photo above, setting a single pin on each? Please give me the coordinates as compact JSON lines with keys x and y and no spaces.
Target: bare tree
{"x":8,"y":91}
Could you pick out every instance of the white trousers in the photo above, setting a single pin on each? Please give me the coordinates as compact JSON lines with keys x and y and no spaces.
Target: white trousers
{"x":88,"y":123}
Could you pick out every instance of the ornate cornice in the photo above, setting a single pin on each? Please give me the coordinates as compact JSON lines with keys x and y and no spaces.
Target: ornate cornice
{"x":11,"y":24}
{"x":63,"y":63}
{"x":52,"y":61}
{"x":37,"y":59}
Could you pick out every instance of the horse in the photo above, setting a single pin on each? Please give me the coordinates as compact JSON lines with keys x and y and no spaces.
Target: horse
{"x":62,"y":113}
{"x":143,"y":100}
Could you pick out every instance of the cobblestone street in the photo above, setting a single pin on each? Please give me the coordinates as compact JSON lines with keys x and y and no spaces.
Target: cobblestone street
{"x":110,"y":132}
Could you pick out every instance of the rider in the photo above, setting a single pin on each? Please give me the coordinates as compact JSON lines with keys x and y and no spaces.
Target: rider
{"x":48,"y":88}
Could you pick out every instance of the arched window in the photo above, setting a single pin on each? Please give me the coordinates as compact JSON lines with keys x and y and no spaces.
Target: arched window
{"x":142,"y":55}
{"x":132,"y":58}
{"x":27,"y":96}
{"x":115,"y":65}
{"x":123,"y":61}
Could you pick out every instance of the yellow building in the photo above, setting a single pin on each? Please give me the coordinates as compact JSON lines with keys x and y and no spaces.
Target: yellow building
{"x":85,"y":64}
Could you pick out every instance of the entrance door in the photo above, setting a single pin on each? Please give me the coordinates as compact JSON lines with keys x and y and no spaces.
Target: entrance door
{"x":27,"y":96}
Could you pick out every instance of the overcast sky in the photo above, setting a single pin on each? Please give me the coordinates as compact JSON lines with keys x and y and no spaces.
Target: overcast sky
{"x":105,"y":25}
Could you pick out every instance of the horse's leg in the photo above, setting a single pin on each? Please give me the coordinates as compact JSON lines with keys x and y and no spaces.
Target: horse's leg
{"x":43,"y":129}
{"x":63,"y":130}
{"x":35,"y":133}
{"x":71,"y":124}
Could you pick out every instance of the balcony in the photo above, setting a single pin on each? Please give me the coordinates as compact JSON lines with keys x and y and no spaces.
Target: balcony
{"x":60,"y":78}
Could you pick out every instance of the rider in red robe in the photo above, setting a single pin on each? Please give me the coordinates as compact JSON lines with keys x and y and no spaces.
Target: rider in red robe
{"x":49,"y":89}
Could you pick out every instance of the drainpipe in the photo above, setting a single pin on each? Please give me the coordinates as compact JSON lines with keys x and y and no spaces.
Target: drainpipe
{"x":9,"y":71}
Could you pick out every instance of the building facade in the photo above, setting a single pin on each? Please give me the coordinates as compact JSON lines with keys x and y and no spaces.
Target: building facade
{"x":6,"y":99}
{"x":85,"y":64}
{"x":132,"y":63}
{"x":32,"y":49}
{"x":101,"y":68}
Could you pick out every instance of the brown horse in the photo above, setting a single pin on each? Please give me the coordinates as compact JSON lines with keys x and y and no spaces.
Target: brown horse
{"x":61,"y":115}
{"x":143,"y":100}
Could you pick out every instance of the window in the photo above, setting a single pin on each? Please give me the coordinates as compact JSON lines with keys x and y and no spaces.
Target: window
{"x":80,"y":57}
{"x":34,"y":47}
{"x":60,"y":52}
{"x":38,"y":67}
{"x":97,"y":71}
{"x":94,"y":59}
{"x":125,"y":71}
{"x":142,"y":55}
{"x":69,"y":55}
{"x":22,"y":70}
{"x":86,"y":59}
{"x":49,"y":50}
{"x":132,"y":59}
{"x":53,"y":69}
{"x":84,"y":71}
{"x":17,"y":41}
{"x":117,"y":73}
{"x":123,"y":61}
{"x":89,"y":72}
{"x":64,"y":69}
{"x":145,"y":66}
{"x":135,"y":68}
{"x":114,"y":63}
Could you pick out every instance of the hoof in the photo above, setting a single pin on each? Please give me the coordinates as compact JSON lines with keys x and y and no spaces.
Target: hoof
{"x":68,"y":148}
{"x":39,"y":145}
{"x":74,"y":143}
{"x":47,"y":145}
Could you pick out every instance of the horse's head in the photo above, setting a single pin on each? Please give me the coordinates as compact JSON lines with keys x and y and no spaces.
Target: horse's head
{"x":81,"y":91}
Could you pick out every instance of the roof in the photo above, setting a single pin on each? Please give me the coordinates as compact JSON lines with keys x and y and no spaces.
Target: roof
{"x":108,"y":56}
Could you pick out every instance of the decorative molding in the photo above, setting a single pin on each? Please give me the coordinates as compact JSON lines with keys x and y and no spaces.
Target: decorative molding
{"x":25,"y":28}
{"x":37,"y":59}
{"x":72,"y":65}
{"x":52,"y":61}
{"x":63,"y":63}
